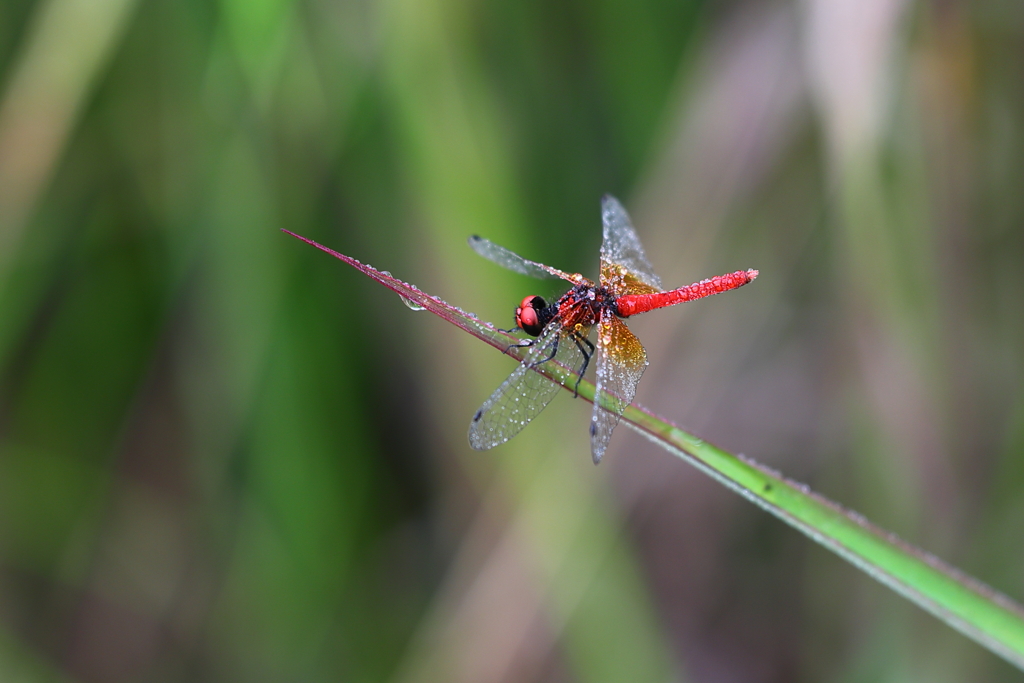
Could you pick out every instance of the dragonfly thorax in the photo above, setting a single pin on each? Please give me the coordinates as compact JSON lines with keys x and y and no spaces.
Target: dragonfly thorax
{"x":583,"y":304}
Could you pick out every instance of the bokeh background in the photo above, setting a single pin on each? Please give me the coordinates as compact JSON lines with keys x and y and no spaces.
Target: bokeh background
{"x":225,"y":456}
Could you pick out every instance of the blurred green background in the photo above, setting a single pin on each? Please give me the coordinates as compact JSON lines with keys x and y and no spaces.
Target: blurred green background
{"x":225,"y":456}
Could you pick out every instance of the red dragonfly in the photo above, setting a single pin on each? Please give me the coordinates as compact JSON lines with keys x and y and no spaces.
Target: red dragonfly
{"x":560,"y":331}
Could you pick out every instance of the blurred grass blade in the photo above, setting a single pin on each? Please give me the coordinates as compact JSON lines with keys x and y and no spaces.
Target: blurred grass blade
{"x":969,"y":606}
{"x":66,"y":48}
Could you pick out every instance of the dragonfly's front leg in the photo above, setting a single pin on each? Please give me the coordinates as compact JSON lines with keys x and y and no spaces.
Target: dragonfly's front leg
{"x":525,"y":345}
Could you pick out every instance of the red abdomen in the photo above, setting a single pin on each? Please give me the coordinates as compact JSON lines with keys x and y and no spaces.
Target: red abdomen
{"x":632,"y":304}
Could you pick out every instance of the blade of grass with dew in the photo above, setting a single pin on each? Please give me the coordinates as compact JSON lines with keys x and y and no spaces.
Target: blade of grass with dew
{"x":982,"y":614}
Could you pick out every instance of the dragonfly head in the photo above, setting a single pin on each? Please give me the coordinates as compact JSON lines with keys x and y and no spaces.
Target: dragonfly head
{"x":528,"y":315}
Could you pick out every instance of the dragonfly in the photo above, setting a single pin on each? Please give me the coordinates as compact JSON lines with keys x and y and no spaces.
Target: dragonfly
{"x":559,"y":332}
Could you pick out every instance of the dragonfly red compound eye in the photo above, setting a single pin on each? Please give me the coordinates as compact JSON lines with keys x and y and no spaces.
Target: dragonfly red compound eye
{"x":528,"y":315}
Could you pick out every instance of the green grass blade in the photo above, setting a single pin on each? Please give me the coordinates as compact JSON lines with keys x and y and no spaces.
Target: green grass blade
{"x":974,"y":609}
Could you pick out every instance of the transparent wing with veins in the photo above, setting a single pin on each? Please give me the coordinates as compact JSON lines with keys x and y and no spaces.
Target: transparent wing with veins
{"x":516,"y":263}
{"x":621,"y":361}
{"x":624,"y":266}
{"x":525,"y":393}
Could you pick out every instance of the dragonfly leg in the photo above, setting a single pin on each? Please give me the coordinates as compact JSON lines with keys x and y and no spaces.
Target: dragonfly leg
{"x":512,"y":330}
{"x":586,"y":360}
{"x":525,"y":345}
{"x":554,"y":350}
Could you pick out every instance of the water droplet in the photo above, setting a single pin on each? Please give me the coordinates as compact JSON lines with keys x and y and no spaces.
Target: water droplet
{"x":411,"y":304}
{"x":406,"y":300}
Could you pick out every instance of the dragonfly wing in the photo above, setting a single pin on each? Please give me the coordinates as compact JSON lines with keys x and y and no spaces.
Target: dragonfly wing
{"x":525,"y":393}
{"x":624,"y":266}
{"x":513,"y":261}
{"x":621,"y":361}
